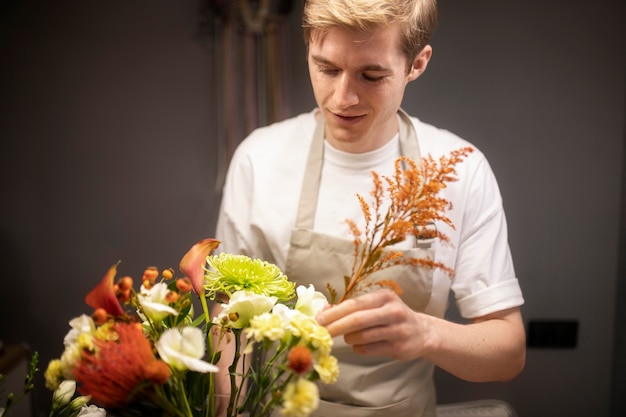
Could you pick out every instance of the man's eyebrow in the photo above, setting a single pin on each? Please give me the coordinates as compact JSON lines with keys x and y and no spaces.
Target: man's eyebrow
{"x":321,"y":60}
{"x":368,"y":67}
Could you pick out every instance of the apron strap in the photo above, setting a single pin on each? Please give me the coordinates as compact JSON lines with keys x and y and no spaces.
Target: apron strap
{"x":309,"y":192}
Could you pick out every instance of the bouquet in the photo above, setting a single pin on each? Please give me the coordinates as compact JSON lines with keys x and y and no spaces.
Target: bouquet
{"x":145,"y":352}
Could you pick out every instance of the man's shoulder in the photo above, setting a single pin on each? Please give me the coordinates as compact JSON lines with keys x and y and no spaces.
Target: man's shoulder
{"x":434,"y":135}
{"x":282,"y":143}
{"x":438,"y":141}
{"x":294,"y":131}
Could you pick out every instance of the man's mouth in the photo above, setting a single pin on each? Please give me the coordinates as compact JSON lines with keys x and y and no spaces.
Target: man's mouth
{"x":343,"y":118}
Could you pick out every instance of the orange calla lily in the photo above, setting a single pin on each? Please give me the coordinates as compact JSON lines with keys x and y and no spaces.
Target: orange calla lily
{"x":192,"y":264}
{"x":103,"y":296}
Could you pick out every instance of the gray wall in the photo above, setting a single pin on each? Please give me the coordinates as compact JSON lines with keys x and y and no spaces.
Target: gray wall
{"x":108,"y":151}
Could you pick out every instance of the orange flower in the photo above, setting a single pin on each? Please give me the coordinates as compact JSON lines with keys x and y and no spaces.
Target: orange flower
{"x":414,"y":206}
{"x":183,"y":284}
{"x":299,"y":359}
{"x":103,"y":296}
{"x":114,"y":371}
{"x":192,"y":264}
{"x":150,"y":274}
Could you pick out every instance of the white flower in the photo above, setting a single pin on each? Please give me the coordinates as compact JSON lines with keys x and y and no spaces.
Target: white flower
{"x":183,"y":349}
{"x":286,"y":313}
{"x":92,"y":411}
{"x":64,"y":393}
{"x":80,"y":325}
{"x":154,"y":302}
{"x":310,"y":302}
{"x":242,"y":306}
{"x":70,"y":357}
{"x":79,"y":402}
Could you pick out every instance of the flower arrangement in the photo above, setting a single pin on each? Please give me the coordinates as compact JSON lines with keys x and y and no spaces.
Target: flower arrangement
{"x":407,"y":204}
{"x":145,"y":352}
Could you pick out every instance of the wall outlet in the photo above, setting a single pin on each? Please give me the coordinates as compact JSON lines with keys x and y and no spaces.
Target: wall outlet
{"x":559,"y":334}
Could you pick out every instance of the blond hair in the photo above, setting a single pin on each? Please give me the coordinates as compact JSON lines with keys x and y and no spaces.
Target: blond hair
{"x":417,"y":19}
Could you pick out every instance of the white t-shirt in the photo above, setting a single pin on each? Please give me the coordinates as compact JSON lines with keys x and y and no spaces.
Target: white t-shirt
{"x":262,"y":191}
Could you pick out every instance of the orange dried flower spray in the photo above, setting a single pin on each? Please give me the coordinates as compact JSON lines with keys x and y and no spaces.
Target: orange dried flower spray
{"x":413,"y":203}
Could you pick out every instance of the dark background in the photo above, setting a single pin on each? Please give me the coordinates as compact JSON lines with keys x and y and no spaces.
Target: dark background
{"x":109,"y":151}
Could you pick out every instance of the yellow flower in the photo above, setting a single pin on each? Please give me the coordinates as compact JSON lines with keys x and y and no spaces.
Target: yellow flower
{"x":266,"y":326}
{"x":54,"y":374}
{"x":311,"y":332}
{"x":231,"y":273}
{"x":85,"y":341}
{"x":106,"y":332}
{"x":300,"y":399}
{"x":327,"y":368}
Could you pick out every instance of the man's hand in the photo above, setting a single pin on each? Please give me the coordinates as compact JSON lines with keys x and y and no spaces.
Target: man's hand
{"x":379,"y":323}
{"x":490,"y":348}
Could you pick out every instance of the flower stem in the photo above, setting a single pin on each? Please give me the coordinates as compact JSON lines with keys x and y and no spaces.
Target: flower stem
{"x":233,"y":373}
{"x":210,"y":409}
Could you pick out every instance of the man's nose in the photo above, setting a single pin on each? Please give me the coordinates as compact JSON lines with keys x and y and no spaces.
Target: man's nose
{"x":346,"y":94}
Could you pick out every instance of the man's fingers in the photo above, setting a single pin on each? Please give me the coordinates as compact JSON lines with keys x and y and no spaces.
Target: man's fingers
{"x":354,"y":314}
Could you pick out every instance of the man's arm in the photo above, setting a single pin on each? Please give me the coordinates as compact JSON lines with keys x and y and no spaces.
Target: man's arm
{"x":491,"y":348}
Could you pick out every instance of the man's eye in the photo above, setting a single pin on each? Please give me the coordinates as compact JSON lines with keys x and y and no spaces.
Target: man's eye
{"x":326,"y":70}
{"x":373,"y":78}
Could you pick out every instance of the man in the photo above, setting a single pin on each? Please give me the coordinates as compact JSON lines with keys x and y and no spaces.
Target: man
{"x":291,"y":186}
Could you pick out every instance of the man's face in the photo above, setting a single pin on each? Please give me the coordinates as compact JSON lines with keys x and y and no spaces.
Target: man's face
{"x":358,"y":81}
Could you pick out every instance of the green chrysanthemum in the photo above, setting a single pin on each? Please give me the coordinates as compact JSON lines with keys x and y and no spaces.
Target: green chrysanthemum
{"x":229,"y":273}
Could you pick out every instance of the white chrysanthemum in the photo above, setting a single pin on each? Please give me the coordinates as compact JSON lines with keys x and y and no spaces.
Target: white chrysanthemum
{"x":310,"y":301}
{"x":183,"y":349}
{"x":242,"y":306}
{"x":300,"y":399}
{"x":154,"y":302}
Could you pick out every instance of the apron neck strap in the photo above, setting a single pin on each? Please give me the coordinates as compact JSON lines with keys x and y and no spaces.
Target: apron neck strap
{"x":409,"y":146}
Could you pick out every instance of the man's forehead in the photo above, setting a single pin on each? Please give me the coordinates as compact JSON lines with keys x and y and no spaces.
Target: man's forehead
{"x":337,"y":43}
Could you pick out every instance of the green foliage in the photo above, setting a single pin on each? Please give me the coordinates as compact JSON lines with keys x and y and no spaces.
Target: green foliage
{"x":28,"y":386}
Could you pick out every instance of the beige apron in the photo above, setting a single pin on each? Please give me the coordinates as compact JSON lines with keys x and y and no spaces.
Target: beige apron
{"x":368,"y":386}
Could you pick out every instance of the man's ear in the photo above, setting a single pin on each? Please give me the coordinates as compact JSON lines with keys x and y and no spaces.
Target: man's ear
{"x":420,"y":63}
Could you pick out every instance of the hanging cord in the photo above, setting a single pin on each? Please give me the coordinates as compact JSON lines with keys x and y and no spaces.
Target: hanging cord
{"x":252,"y":74}
{"x":254,"y":22}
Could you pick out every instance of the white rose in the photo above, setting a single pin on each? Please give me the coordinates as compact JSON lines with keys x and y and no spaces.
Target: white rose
{"x":92,"y":411}
{"x":64,"y":393}
{"x":310,"y":302}
{"x":242,"y":306}
{"x":154,"y":302}
{"x":183,"y":349}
